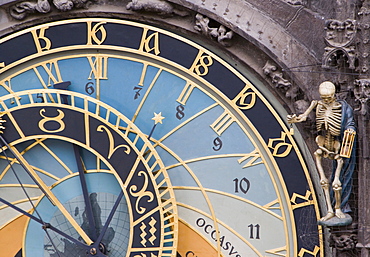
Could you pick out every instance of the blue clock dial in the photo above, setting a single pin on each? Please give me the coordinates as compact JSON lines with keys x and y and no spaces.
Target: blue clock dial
{"x":159,"y":147}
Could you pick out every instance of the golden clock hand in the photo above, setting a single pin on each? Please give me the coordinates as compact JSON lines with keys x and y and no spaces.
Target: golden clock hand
{"x":48,"y":192}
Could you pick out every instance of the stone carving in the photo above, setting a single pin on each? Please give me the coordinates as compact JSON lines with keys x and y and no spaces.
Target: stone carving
{"x":343,"y":242}
{"x":22,"y":10}
{"x":362,"y":95}
{"x":340,"y":37}
{"x":335,"y":123}
{"x":222,"y":34}
{"x":279,"y":82}
{"x":160,"y":7}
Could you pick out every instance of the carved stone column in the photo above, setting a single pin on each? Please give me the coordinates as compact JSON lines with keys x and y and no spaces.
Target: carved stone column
{"x":362,"y":96}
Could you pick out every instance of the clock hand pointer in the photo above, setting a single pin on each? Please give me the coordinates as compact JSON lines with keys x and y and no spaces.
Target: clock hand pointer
{"x":88,"y":207}
{"x":109,"y":219}
{"x":98,"y":242}
{"x":45,"y":189}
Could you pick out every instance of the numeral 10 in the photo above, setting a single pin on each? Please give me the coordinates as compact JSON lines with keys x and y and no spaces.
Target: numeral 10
{"x":243,"y":185}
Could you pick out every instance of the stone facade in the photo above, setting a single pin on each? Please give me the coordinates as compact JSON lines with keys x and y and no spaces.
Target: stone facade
{"x":291,"y":46}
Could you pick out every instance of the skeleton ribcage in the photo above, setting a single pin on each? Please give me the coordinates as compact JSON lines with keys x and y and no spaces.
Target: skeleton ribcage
{"x":329,"y":118}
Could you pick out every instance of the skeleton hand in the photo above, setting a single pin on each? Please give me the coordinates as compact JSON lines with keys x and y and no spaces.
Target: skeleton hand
{"x":352,"y":131}
{"x":295,"y":119}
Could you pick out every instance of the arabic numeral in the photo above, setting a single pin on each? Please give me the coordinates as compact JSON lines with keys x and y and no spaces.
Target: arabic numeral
{"x":217,"y":144}
{"x":180,"y":112}
{"x":243,"y":185}
{"x":137,"y":92}
{"x":251,"y":231}
{"x":39,"y":96}
{"x":89,"y":88}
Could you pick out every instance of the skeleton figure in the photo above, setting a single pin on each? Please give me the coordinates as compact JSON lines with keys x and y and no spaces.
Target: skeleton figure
{"x":333,"y":117}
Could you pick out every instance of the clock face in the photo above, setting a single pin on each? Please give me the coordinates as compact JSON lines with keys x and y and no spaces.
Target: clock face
{"x":124,"y":139}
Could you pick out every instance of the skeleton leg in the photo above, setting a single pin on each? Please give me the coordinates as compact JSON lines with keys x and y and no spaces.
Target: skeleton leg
{"x":337,"y":188}
{"x":324,"y":184}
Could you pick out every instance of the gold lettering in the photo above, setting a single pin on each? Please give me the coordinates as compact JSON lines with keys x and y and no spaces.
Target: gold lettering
{"x":222,"y":123}
{"x":58,"y":119}
{"x":112,"y":149}
{"x":201,"y":64}
{"x":313,"y":253}
{"x":277,"y":147}
{"x":246,"y":99}
{"x":253,"y":156}
{"x":39,"y":38}
{"x":185,"y":93}
{"x":52,"y":71}
{"x":305,"y":198}
{"x":94,"y":31}
{"x":149,"y":43}
{"x":2,"y":64}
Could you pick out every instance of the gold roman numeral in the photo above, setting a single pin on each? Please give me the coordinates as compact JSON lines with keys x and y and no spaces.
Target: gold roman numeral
{"x":313,"y":253}
{"x":52,"y":71}
{"x":281,"y":251}
{"x":6,"y":84}
{"x":222,"y":123}
{"x":99,"y":70}
{"x":273,"y":205}
{"x":252,"y":158}
{"x":306,"y":200}
{"x":99,"y":67}
{"x":185,"y":93}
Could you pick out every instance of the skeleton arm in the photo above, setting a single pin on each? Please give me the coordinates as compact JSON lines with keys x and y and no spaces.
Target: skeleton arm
{"x":302,"y":117}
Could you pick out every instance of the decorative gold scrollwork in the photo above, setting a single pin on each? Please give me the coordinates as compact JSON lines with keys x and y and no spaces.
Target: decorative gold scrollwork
{"x":112,"y":149}
{"x":246,"y":99}
{"x":282,"y":143}
{"x":58,"y":119}
{"x":141,"y":193}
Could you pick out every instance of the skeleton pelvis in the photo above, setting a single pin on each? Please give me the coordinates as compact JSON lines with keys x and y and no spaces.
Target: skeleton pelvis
{"x":329,"y":146}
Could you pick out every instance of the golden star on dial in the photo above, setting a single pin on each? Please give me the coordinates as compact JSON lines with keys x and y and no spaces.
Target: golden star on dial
{"x":158,"y":118}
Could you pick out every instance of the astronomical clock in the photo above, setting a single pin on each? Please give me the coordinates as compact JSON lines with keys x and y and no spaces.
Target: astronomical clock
{"x":124,"y":139}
